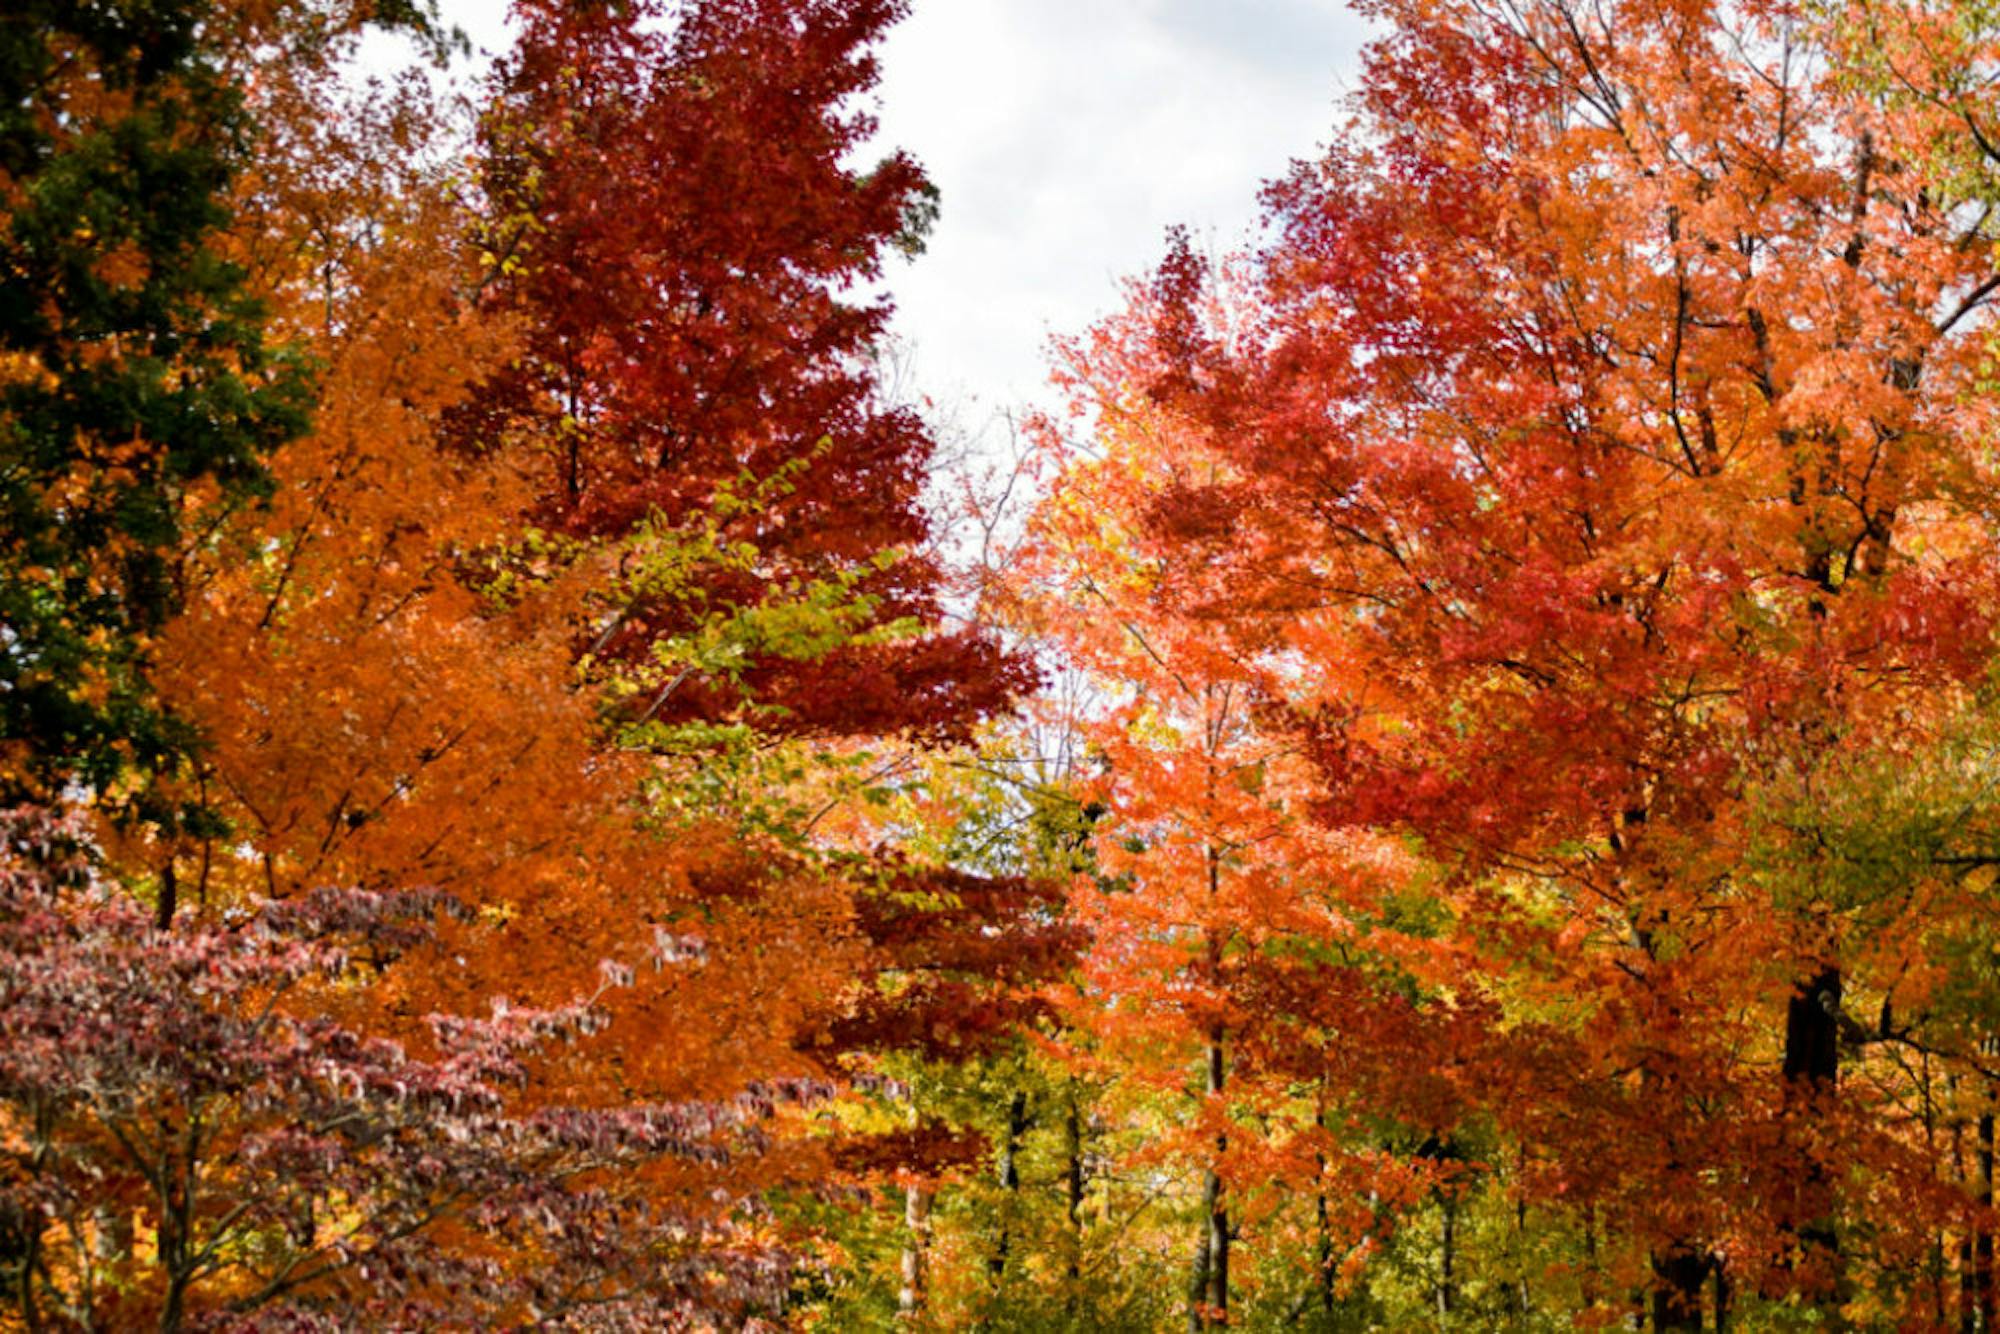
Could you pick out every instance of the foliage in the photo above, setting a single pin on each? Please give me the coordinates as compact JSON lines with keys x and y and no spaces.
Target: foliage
{"x":191,"y":1144}
{"x":1589,"y":483}
{"x":138,"y":391}
{"x":1465,"y":801}
{"x":675,"y":220}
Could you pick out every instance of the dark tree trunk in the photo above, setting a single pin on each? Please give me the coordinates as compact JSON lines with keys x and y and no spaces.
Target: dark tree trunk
{"x":1812,"y":1072}
{"x":170,"y":896}
{"x":1983,"y":1281}
{"x":1208,"y":1287}
{"x":1326,"y":1283}
{"x":1812,"y":1032}
{"x":1518,"y":1289}
{"x":1447,"y":1289}
{"x":1968,"y":1288}
{"x":1073,"y":1190}
{"x":1678,"y":1278}
{"x":1218,"y":1206}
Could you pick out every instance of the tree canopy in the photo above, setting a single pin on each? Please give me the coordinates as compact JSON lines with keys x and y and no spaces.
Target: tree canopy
{"x":1451,"y":785}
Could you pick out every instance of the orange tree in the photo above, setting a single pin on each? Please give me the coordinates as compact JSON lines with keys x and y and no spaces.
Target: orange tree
{"x":1601,"y":458}
{"x":603,"y":735}
{"x":1240,"y":989}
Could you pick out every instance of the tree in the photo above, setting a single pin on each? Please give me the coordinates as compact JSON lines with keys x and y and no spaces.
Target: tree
{"x":1236,"y":955}
{"x":384,"y":660}
{"x":190,"y":1141}
{"x":372,"y":677}
{"x":1579,"y":472}
{"x":674,"y":221}
{"x":139,"y":394}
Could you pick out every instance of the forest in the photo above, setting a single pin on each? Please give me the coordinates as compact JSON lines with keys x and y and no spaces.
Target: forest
{"x":1452,"y":784}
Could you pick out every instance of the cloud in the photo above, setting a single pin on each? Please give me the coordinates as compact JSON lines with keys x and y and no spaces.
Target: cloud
{"x":1067,"y":135}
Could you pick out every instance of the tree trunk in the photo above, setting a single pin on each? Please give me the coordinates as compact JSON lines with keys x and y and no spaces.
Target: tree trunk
{"x":1968,"y":1294}
{"x":1198,"y":1284}
{"x":916,"y":1252}
{"x":1073,"y":1190}
{"x":1215,"y":1201}
{"x":170,"y":896}
{"x":1447,"y":1288}
{"x":1812,"y":1072}
{"x":1217,"y":1296}
{"x":1678,"y":1279}
{"x":1010,"y":1181}
{"x":1592,"y":1281}
{"x":1812,"y":1035}
{"x":1982,"y":1248}
{"x":1208,"y":1284}
{"x":1326,"y":1282}
{"x":1518,"y":1289}
{"x":1680,"y":1267}
{"x":1968,"y":1289}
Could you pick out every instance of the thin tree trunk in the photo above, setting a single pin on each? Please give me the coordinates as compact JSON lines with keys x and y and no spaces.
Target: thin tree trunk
{"x":1519,"y":1288}
{"x":1592,"y":1275}
{"x":176,"y":1190}
{"x":1968,"y":1300}
{"x":1447,"y":1288}
{"x":1982,"y":1250}
{"x":1937,"y":1263}
{"x":1217,"y":1296}
{"x":1326,"y":1284}
{"x":916,"y":1252}
{"x":1073,"y":1190}
{"x":1215,"y":1206}
{"x":1208,"y":1280}
{"x":1968,"y":1293}
{"x":1198,"y":1283}
{"x":1010,"y":1180}
{"x":1680,"y":1267}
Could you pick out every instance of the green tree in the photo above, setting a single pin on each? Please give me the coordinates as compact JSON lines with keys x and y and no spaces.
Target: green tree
{"x":138,"y":392}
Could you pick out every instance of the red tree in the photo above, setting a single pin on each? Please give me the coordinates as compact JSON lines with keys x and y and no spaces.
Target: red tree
{"x":1597,"y":459}
{"x":674,"y":220}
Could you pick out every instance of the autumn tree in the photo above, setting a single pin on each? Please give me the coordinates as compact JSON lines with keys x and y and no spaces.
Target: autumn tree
{"x":1600,"y":452}
{"x":675,"y":221}
{"x":380,"y":664}
{"x":187,"y":1088}
{"x":1236,"y":955}
{"x":381,"y":660}
{"x":1525,"y":850}
{"x":398,"y":657}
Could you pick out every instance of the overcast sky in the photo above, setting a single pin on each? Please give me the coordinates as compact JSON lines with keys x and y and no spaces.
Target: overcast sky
{"x":1066,"y":136}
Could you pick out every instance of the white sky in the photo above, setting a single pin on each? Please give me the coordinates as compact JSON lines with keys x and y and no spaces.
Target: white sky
{"x":1065,"y":137}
